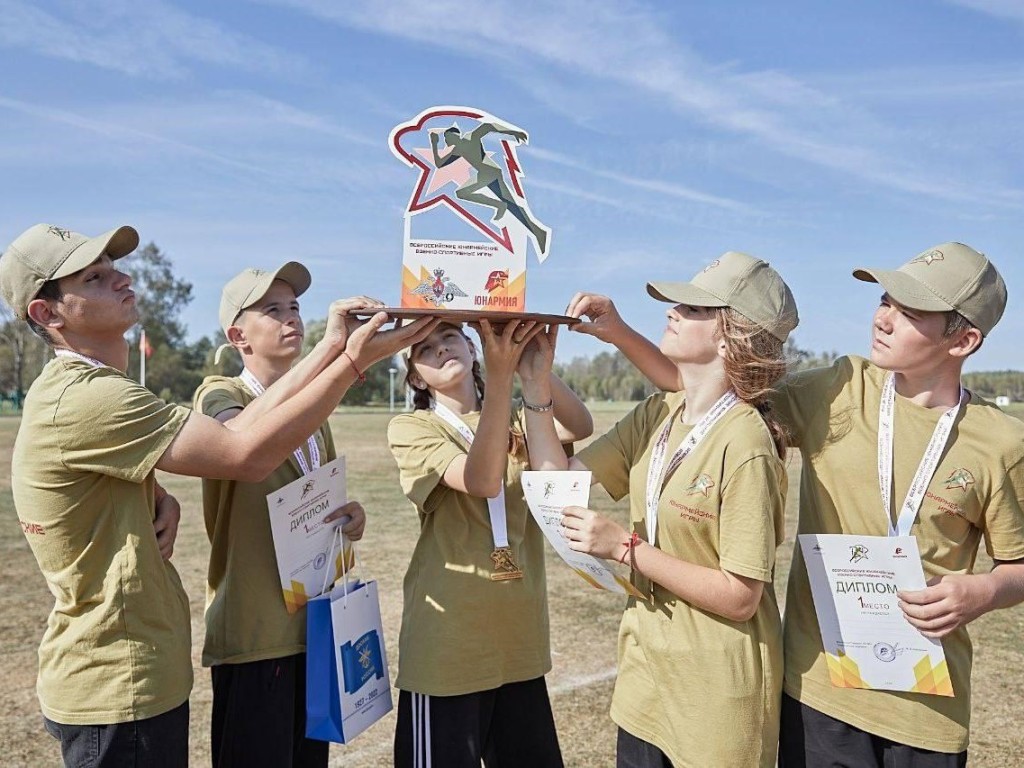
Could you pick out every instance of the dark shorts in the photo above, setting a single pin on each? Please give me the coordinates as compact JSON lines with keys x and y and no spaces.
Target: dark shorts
{"x":507,"y":727}
{"x":259,"y":716}
{"x":812,"y":739}
{"x":631,"y":752}
{"x":155,"y":742}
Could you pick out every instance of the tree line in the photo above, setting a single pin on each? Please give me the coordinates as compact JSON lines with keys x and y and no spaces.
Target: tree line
{"x":177,"y":366}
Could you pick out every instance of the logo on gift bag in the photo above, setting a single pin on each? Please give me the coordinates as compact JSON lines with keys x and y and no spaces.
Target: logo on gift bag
{"x":362,"y":661}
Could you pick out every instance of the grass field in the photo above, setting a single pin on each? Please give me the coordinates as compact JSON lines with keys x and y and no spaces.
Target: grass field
{"x":583,"y":621}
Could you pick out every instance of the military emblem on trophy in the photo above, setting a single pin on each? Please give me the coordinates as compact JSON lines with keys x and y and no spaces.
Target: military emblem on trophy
{"x":468,"y":225}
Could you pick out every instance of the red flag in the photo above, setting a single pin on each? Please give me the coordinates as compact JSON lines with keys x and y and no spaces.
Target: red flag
{"x":145,"y":348}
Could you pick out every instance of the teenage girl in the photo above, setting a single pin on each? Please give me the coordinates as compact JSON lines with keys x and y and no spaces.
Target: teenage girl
{"x":700,"y":660}
{"x":474,"y":649}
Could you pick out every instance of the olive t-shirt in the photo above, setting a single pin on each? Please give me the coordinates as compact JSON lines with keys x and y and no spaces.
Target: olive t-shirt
{"x":462,"y":632}
{"x":246,"y":615}
{"x":975,"y":491}
{"x":703,"y":689}
{"x":117,"y":644}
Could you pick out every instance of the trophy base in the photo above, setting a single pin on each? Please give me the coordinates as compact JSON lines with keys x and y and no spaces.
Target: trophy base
{"x":467,"y":315}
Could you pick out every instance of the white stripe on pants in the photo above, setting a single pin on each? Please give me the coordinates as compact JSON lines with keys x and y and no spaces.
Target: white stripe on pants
{"x":421,"y":730}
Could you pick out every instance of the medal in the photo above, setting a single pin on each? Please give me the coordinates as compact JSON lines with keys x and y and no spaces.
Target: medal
{"x":504,"y":562}
{"x":505,"y":566}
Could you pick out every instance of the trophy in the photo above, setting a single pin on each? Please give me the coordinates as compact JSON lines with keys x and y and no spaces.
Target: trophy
{"x":468,"y":223}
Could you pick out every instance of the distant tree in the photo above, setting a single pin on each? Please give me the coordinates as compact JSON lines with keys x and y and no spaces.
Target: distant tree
{"x":173,"y":371}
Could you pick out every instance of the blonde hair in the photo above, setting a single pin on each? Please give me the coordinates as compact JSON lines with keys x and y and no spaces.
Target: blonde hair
{"x":423,"y":399}
{"x":754,"y":363}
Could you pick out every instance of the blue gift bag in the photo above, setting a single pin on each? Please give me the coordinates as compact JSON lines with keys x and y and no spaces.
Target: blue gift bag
{"x":347,"y":683}
{"x":323,"y":704}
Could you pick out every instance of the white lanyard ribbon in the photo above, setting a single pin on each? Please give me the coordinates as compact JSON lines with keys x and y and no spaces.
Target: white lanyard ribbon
{"x":258,"y":389}
{"x":658,"y":473}
{"x":77,"y":356}
{"x":495,"y":506}
{"x":925,"y":470}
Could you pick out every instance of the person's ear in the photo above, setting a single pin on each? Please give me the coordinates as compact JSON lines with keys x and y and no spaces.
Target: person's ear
{"x":43,"y":313}
{"x":967,"y":343}
{"x":237,"y":339}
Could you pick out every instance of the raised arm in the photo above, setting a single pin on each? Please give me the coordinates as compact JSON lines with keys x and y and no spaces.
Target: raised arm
{"x":339,"y":325}
{"x":440,"y":162}
{"x":605,"y":323}
{"x":481,"y":472}
{"x":541,"y":387}
{"x":495,"y":127}
{"x":572,"y":419}
{"x":240,"y":450}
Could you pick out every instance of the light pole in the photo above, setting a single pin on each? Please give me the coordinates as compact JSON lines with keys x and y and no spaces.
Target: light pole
{"x":391,"y":372}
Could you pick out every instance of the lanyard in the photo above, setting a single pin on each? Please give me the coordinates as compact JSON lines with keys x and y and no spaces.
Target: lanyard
{"x":77,"y":356}
{"x":658,"y":473}
{"x":258,"y":389}
{"x":495,"y":506}
{"x":925,"y":470}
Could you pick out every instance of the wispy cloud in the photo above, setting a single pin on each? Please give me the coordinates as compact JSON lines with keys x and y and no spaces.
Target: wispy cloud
{"x":218,"y":141}
{"x":629,"y":45}
{"x":1000,"y":9}
{"x":659,"y":188}
{"x":143,"y":38}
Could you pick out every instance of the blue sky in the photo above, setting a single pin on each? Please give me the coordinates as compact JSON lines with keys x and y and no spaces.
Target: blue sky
{"x":819,"y":136}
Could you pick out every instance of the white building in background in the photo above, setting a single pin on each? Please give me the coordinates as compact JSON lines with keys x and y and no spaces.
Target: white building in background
{"x":1002,"y":400}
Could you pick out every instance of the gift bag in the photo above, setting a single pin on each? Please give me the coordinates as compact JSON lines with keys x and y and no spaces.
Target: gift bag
{"x":347,"y":683}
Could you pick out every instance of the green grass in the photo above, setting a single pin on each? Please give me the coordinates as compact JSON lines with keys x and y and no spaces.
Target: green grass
{"x":584,"y":622}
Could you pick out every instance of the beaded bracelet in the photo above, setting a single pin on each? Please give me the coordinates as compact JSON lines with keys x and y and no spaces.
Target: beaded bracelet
{"x":539,"y":408}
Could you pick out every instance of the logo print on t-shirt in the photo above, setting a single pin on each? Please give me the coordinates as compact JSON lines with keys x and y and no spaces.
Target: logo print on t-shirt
{"x":959,"y":478}
{"x":929,"y":258}
{"x":702,"y":484}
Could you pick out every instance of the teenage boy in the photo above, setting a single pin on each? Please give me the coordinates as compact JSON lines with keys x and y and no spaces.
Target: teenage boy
{"x":254,"y":646}
{"x":115,"y":666}
{"x":936,"y":310}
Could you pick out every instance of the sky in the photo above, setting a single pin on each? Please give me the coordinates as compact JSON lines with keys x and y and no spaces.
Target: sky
{"x":819,"y":136}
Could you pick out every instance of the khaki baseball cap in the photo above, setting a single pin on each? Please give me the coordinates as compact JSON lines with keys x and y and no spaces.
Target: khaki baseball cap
{"x":250,"y":285}
{"x":45,"y":252}
{"x":948,"y":277}
{"x":736,"y":280}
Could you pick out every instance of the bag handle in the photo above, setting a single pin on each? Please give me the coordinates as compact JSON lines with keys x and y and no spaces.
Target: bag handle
{"x":338,"y":539}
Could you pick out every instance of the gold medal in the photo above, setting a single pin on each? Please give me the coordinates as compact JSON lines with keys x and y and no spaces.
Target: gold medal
{"x":505,"y":565}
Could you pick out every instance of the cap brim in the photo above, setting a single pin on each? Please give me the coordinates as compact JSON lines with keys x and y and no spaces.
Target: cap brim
{"x":904,"y":289}
{"x":115,"y":243}
{"x":295,"y":274}
{"x":684,"y":293}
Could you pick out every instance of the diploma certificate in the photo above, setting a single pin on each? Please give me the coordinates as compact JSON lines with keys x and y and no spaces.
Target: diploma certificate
{"x":547,"y":494}
{"x":868,"y":642}
{"x":302,"y":542}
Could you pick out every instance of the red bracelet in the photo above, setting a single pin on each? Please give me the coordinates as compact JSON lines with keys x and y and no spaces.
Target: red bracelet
{"x":629,"y":545}
{"x":360,"y":376}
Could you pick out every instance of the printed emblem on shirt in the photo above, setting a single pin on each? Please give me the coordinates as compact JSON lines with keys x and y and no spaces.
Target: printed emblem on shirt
{"x":959,"y":478}
{"x":32,"y":528}
{"x":929,"y":258}
{"x":701,"y":484}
